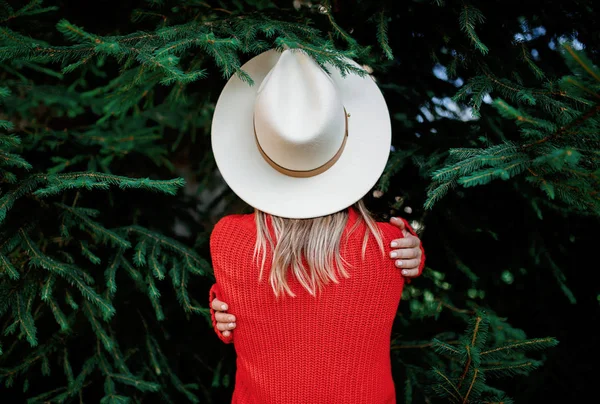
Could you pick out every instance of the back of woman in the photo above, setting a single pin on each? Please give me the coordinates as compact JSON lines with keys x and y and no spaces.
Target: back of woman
{"x":329,"y":347}
{"x":307,"y":276}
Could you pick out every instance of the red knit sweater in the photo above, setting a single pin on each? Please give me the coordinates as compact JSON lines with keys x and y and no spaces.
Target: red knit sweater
{"x":305,"y":350}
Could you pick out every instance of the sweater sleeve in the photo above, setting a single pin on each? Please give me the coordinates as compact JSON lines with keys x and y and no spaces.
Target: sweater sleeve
{"x":215,"y":292}
{"x":411,"y":231}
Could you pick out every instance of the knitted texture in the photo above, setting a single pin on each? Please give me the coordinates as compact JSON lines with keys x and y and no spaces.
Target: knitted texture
{"x":333,"y":348}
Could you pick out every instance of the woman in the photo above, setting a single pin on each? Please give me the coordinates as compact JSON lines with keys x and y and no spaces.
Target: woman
{"x":313,"y":290}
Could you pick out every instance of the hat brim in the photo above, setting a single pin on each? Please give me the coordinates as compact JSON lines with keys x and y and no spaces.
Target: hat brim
{"x":262,"y":187}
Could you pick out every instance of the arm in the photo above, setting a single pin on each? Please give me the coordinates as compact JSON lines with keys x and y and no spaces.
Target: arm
{"x":221,"y":321}
{"x":408,"y":253}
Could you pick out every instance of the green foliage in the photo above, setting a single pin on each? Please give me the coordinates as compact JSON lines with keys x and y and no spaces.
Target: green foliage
{"x":109,"y":189}
{"x":469,"y":18}
{"x":558,"y":154}
{"x":475,"y":357}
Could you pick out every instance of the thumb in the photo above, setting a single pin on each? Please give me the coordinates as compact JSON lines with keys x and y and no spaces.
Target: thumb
{"x":218,"y":305}
{"x":399,"y":223}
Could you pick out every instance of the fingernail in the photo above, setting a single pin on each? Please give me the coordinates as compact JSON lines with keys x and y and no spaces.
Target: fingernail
{"x":226,"y":333}
{"x":223,"y":307}
{"x":404,"y":272}
{"x":399,"y":263}
{"x":232,"y":318}
{"x":231,"y":325}
{"x":394,"y":244}
{"x":393,"y":254}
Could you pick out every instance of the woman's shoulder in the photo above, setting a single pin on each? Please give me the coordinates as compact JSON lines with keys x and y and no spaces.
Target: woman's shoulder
{"x":233,"y":224}
{"x":229,"y":229}
{"x":234,"y":220}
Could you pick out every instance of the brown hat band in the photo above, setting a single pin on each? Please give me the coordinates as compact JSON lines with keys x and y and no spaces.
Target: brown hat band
{"x":305,"y":173}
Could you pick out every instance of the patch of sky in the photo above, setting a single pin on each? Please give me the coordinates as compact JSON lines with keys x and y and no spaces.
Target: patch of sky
{"x":441,"y":73}
{"x":427,"y":114}
{"x":527,"y":33}
{"x":448,"y":108}
{"x":572,"y":39}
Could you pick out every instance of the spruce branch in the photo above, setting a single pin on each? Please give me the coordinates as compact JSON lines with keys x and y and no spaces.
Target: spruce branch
{"x":60,"y":317}
{"x":46,"y":291}
{"x":442,"y":347}
{"x":111,"y":271}
{"x":582,"y":61}
{"x":88,"y":180}
{"x":31,"y":8}
{"x":161,"y":362}
{"x":547,"y":146}
{"x":8,"y":199}
{"x":154,"y":295}
{"x":592,"y":112}
{"x":22,"y":313}
{"x":469,"y":18}
{"x":447,"y":386}
{"x":526,"y":57}
{"x":179,"y":279}
{"x":193,"y":261}
{"x":528,"y":345}
{"x":70,"y":273}
{"x":75,"y":33}
{"x":9,"y":268}
{"x":436,"y":191}
{"x":133,"y":381}
{"x":57,"y":183}
{"x":133,"y":273}
{"x":382,"y":35}
{"x":67,"y":367}
{"x":13,"y":160}
{"x":396,"y":162}
{"x":101,"y":334}
{"x":157,"y":268}
{"x":476,"y":355}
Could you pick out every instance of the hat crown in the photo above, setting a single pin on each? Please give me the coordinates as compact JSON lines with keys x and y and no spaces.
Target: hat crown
{"x":299,"y":117}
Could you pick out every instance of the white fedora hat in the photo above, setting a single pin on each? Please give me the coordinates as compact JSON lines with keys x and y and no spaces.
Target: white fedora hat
{"x":300,"y":143}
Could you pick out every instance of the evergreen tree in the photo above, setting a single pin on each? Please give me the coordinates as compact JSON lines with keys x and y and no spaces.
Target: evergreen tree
{"x":109,"y":190}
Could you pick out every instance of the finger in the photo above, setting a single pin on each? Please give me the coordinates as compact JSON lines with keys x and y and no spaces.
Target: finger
{"x":406,"y":242}
{"x":407,"y":263}
{"x":218,"y":305}
{"x":410,"y":273}
{"x":398,"y":223}
{"x":225,"y":326}
{"x":224,"y":317}
{"x":411,"y":264}
{"x":407,"y":253}
{"x":226,"y":333}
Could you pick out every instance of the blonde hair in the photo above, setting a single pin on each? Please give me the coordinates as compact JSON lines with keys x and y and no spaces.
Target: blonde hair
{"x":314,"y":241}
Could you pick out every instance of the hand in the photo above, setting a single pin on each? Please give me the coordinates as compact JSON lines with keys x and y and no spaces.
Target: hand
{"x":406,"y":251}
{"x":225,"y":322}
